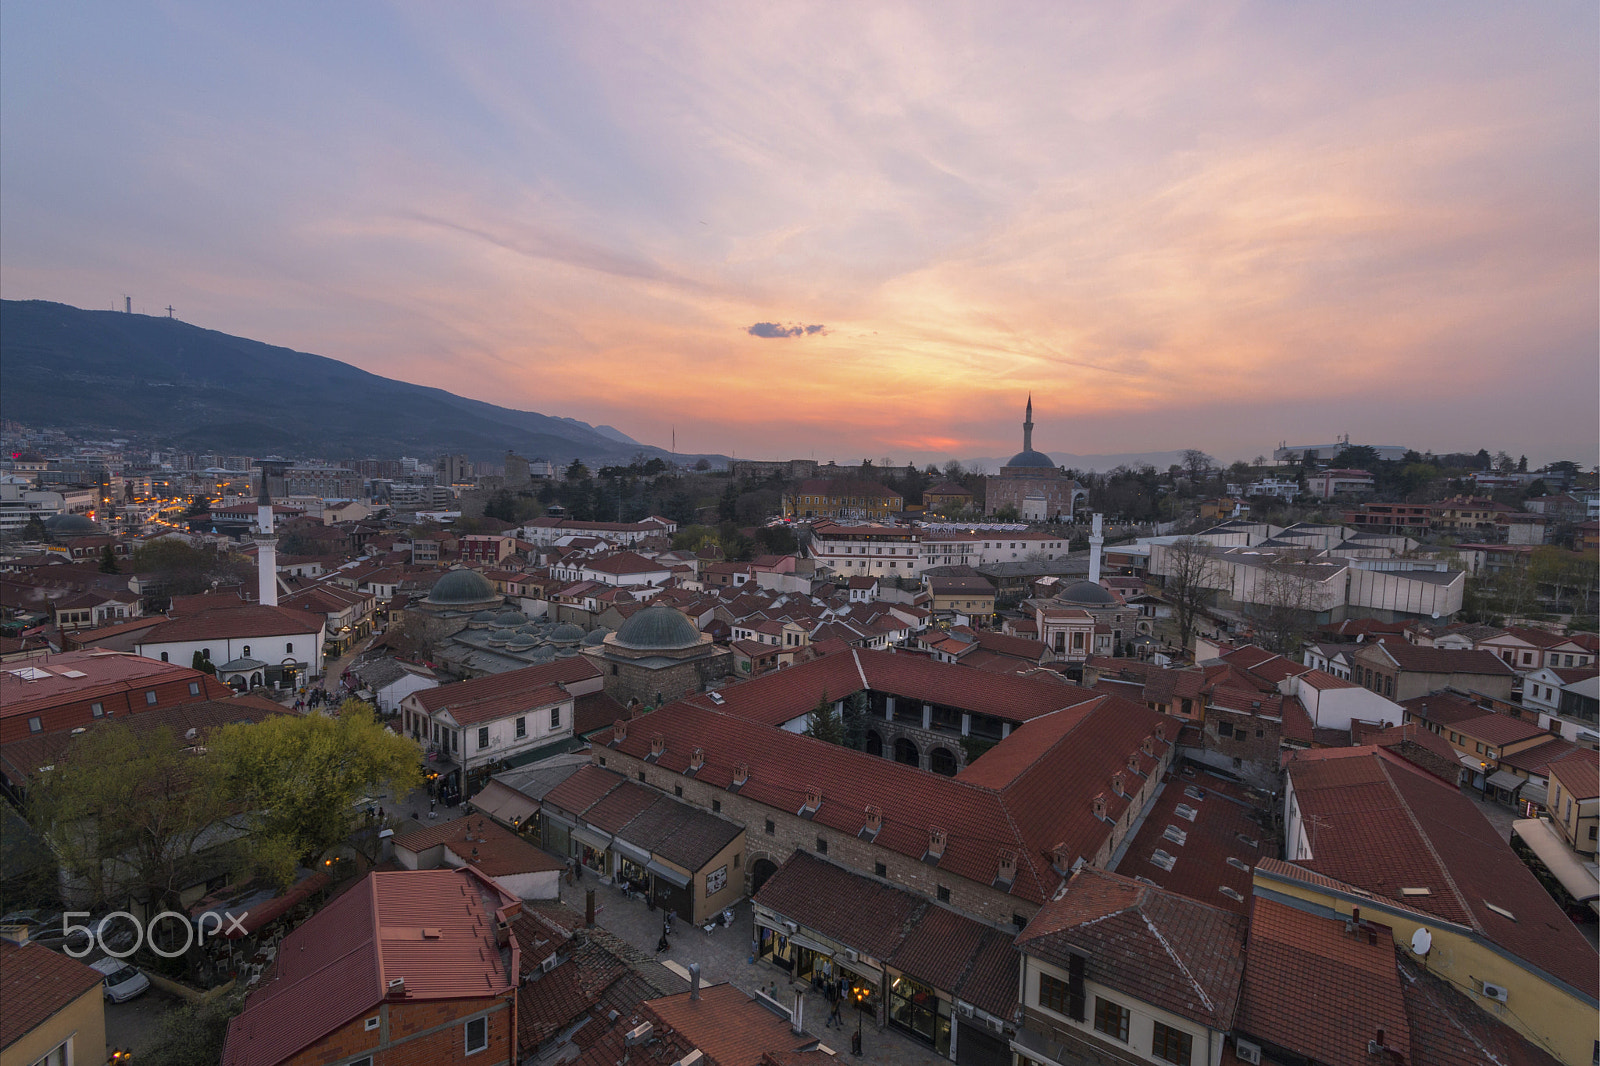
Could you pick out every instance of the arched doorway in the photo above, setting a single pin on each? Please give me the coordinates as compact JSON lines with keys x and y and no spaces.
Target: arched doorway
{"x":905,"y":751}
{"x":874,"y":743}
{"x":763,"y":869}
{"x":942,"y":761}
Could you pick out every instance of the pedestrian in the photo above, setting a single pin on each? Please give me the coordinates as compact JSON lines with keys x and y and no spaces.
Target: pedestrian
{"x":774,"y":992}
{"x":431,"y":802}
{"x":663,"y":944}
{"x":834,"y":1017}
{"x":380,"y":814}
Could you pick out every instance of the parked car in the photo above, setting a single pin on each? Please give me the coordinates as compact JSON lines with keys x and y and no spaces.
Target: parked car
{"x":122,"y":981}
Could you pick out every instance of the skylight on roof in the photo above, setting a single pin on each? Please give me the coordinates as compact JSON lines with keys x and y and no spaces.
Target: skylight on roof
{"x":1238,"y":864}
{"x":1176,"y":835}
{"x":30,"y":673}
{"x":1231,"y":894}
{"x":1194,"y":793}
{"x":73,"y":673}
{"x":1163,"y":860}
{"x":1501,"y":911}
{"x":1416,"y":891}
{"x":1183,"y":810}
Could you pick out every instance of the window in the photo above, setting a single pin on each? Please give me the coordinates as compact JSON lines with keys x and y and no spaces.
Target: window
{"x":1173,"y":1045}
{"x":194,"y":688}
{"x":522,"y":727}
{"x":555,"y":718}
{"x":1224,"y":729}
{"x":246,"y":651}
{"x":771,"y":829}
{"x":1052,"y":993}
{"x":288,"y":647}
{"x":641,"y":775}
{"x":478,"y":1035}
{"x":97,"y":709}
{"x":1019,"y":922}
{"x":483,"y":737}
{"x":677,"y":790}
{"x":716,"y":806}
{"x":36,"y":726}
{"x":205,"y":653}
{"x":822,"y":845}
{"x":880,"y":869}
{"x":1111,"y":1019}
{"x":944,"y":894}
{"x":164,"y":657}
{"x":371,"y":1023}
{"x":150,"y":697}
{"x":602,"y":760}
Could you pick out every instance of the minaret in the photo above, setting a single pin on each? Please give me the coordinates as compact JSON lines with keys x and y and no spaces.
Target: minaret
{"x":266,"y":548}
{"x":1027,"y":426}
{"x":1096,"y":542}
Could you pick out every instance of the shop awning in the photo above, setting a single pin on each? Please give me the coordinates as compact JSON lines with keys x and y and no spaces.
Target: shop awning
{"x":1505,"y":779}
{"x":274,"y":909}
{"x":1565,"y":866}
{"x":860,"y":969}
{"x":667,"y":874}
{"x":628,"y":851}
{"x":597,"y":841}
{"x":812,"y":945}
{"x":503,"y":804}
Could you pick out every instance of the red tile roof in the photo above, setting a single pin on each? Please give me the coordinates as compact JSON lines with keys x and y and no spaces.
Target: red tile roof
{"x":35,"y":984}
{"x":510,"y":683}
{"x":1313,"y":989}
{"x":1158,"y":946}
{"x":337,"y":964}
{"x":1449,"y":1029}
{"x":494,"y":851}
{"x":1220,"y":830}
{"x":1383,"y":825}
{"x":727,"y":1024}
{"x":1500,"y":729}
{"x":250,"y":620}
{"x":1579,"y":773}
{"x":1442,"y":660}
{"x":118,"y":681}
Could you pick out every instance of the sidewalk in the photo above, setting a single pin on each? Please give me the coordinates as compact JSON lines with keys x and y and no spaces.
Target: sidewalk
{"x":724,"y":954}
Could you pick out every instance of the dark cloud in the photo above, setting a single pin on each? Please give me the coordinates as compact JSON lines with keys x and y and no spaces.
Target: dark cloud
{"x":773,"y":329}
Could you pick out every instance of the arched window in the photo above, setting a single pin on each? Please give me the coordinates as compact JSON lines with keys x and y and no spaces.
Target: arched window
{"x":289,"y":648}
{"x":164,"y":657}
{"x":247,"y":651}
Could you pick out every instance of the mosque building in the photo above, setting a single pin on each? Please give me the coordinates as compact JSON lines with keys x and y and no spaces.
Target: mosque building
{"x":1031,"y":483}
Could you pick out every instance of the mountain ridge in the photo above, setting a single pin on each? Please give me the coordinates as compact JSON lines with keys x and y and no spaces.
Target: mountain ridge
{"x":201,"y":388}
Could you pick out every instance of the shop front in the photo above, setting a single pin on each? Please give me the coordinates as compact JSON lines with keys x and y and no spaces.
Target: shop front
{"x":671,"y":889}
{"x":916,"y":1009}
{"x":555,"y":834}
{"x":864,"y":990}
{"x":591,"y":850}
{"x":631,"y":866}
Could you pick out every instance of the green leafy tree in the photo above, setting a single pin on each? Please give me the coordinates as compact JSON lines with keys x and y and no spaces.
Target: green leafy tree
{"x":823,"y":723}
{"x":201,"y":663}
{"x":299,"y":777}
{"x":501,"y":505}
{"x":576,"y":471}
{"x":194,"y":1033}
{"x":124,"y":810}
{"x":108,"y":561}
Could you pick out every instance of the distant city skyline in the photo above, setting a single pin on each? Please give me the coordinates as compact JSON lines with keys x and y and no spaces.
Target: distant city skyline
{"x":851,"y":231}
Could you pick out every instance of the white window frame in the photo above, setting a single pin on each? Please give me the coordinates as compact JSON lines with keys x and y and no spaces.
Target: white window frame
{"x":467,"y":1034}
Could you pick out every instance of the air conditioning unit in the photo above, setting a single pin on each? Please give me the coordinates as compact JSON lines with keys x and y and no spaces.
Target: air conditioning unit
{"x":1247,"y":1051}
{"x":852,"y":954}
{"x":995,"y":1024}
{"x":794,"y":927}
{"x":966,"y":1009}
{"x":1496,"y":992}
{"x":550,"y":963}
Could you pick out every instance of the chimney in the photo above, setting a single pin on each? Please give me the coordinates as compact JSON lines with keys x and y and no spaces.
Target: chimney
{"x":1148,"y":746}
{"x":741,"y":773}
{"x":1098,"y":805}
{"x":694,"y":980}
{"x":1061,"y":859}
{"x":1116,"y":783}
{"x":1008,"y":865}
{"x":658,"y":744}
{"x":935,"y":841}
{"x":397,"y":988}
{"x":697,"y":758}
{"x":874,"y":818}
{"x":620,"y":729}
{"x":1096,"y":542}
{"x":813,"y":799}
{"x":1133,"y":762}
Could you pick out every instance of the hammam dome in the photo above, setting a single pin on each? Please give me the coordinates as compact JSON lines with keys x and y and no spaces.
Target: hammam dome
{"x":462,"y":588}
{"x":657,"y":628}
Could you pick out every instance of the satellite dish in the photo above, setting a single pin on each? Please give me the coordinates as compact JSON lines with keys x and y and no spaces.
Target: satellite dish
{"x":1421,"y":941}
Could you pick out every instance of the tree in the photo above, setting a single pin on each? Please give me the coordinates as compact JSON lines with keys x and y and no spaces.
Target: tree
{"x":124,"y":810}
{"x":299,"y":777}
{"x":201,"y":663}
{"x":413,"y":635}
{"x":576,"y":471}
{"x":855,"y":722}
{"x":1356,"y":457}
{"x":108,"y":561}
{"x":34,"y":532}
{"x":1284,"y":602}
{"x":502,"y":505}
{"x":1522,"y":464}
{"x":1196,"y":463}
{"x":194,"y":1033}
{"x":1192,"y":577}
{"x":823,"y":723}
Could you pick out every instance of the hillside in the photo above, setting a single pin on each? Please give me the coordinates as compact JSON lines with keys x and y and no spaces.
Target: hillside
{"x":104,"y":373}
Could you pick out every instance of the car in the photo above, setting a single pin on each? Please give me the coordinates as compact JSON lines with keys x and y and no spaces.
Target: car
{"x":122,"y":982}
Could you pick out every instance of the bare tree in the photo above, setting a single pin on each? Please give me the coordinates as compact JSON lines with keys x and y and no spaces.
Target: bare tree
{"x":1193,"y":577}
{"x":1285,"y":602}
{"x":1196,"y":463}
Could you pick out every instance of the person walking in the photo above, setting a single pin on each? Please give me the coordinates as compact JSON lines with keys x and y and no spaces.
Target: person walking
{"x":835,"y":1018}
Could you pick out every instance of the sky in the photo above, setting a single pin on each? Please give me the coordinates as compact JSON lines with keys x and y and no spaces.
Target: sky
{"x":851,"y":230}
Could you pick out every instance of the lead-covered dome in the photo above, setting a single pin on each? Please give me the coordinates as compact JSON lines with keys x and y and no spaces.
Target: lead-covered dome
{"x":1086,"y":592}
{"x":1031,"y":460}
{"x":462,"y":588}
{"x":657,"y":628}
{"x":71,"y":525}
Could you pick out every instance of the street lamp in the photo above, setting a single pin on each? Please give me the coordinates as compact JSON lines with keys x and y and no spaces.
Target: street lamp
{"x":855,"y":1041}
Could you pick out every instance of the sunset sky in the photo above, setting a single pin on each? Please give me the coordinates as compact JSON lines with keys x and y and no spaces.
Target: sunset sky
{"x":1214,"y":225}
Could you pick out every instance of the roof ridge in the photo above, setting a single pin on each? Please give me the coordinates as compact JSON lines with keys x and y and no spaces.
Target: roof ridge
{"x":1151,"y":925}
{"x":1427,"y":842}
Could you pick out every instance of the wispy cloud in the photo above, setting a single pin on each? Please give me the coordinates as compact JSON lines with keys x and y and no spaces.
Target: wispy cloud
{"x":774,"y":330}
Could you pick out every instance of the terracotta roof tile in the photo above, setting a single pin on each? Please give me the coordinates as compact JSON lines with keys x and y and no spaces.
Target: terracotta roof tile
{"x":35,"y":983}
{"x":494,"y":851}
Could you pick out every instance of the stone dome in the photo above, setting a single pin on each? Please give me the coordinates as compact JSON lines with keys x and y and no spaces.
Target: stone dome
{"x":1086,"y":592}
{"x":596,"y":636}
{"x":483,"y":616}
{"x":461,"y":588}
{"x":543,"y":653}
{"x":520,"y":642}
{"x":528,"y":630}
{"x":510,"y":619}
{"x":501,"y":636}
{"x":657,"y":628}
{"x":1032,"y":460}
{"x":566,"y":633}
{"x":71,"y":525}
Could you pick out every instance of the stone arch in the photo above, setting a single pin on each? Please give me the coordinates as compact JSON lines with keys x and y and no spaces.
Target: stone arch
{"x":760,"y":870}
{"x":905,"y":751}
{"x":943,"y":761}
{"x":874,"y":743}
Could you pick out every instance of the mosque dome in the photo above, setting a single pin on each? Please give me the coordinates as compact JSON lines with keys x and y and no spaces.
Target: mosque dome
{"x":1086,"y":592}
{"x":71,"y":525}
{"x":501,"y":636}
{"x":510,"y":619}
{"x":657,"y":628}
{"x":528,"y":630}
{"x":542,"y":654}
{"x":566,"y":633}
{"x":483,"y":616}
{"x":596,"y":636}
{"x":460,"y":588}
{"x":1031,"y":460}
{"x":520,"y":642}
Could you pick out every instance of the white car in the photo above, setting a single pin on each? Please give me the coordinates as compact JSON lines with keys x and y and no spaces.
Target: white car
{"x":121,"y":980}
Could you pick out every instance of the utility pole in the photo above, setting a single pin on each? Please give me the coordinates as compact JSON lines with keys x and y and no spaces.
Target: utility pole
{"x":169,"y":310}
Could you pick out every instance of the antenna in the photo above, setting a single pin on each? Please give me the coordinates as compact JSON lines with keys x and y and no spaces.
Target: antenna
{"x":169,"y":310}
{"x":127,"y":303}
